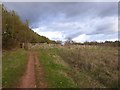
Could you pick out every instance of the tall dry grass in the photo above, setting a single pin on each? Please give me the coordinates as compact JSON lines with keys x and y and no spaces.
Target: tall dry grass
{"x":98,"y":63}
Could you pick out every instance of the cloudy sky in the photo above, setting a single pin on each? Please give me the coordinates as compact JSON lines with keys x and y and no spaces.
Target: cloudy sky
{"x":80,"y":21}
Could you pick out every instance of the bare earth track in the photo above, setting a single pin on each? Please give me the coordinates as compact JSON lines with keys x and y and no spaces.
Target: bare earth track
{"x":40,"y":75}
{"x":33,"y":76}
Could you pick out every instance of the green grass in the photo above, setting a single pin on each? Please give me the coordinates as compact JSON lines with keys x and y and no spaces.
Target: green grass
{"x":55,"y":71}
{"x":13,"y":66}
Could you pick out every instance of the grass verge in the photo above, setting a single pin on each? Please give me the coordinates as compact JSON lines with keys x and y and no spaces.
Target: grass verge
{"x":55,"y":70}
{"x":13,"y":66}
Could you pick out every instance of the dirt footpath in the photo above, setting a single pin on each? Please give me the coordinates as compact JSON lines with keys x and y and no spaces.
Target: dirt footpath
{"x":33,"y":76}
{"x":28,"y":79}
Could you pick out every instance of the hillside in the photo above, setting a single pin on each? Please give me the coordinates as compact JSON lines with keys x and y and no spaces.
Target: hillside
{"x":15,"y":32}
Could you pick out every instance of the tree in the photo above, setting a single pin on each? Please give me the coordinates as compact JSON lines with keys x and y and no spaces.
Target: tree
{"x":15,"y":32}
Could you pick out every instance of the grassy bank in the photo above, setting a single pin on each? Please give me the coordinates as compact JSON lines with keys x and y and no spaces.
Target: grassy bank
{"x":13,"y":66}
{"x":55,"y":69}
{"x":83,"y":67}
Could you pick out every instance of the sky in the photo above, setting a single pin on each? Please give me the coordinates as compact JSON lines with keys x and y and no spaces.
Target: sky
{"x":80,"y":21}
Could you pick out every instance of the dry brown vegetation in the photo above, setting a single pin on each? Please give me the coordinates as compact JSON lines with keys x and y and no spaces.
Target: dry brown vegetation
{"x":89,"y":66}
{"x":92,"y":66}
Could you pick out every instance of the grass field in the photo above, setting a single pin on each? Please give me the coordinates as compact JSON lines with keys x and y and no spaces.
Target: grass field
{"x":87,"y":67}
{"x":66,"y":66}
{"x":13,"y":66}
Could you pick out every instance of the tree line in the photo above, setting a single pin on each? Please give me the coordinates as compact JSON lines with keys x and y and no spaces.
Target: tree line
{"x":106,"y":43}
{"x":15,"y":32}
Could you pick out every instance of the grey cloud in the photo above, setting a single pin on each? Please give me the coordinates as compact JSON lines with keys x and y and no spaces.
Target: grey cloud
{"x":103,"y":37}
{"x":73,"y":35}
{"x":50,"y":14}
{"x":103,"y":29}
{"x":37,"y":11}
